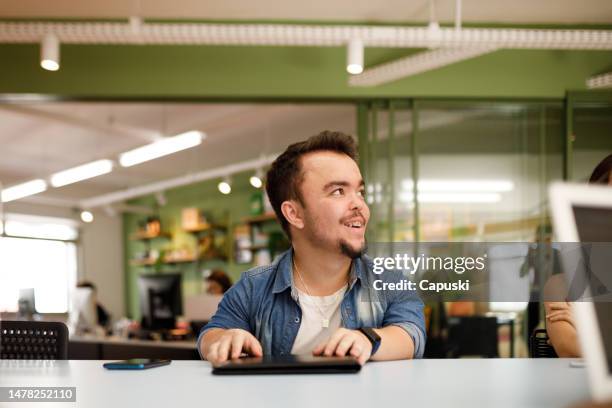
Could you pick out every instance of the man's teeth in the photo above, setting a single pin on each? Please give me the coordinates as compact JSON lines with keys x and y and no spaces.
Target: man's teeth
{"x":356,"y":224}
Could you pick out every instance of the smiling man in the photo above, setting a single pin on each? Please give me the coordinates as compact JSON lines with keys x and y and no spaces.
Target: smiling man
{"x":317,"y":297}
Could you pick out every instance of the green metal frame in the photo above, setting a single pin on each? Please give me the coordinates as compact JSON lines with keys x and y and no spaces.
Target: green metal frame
{"x":574,"y":99}
{"x":368,"y":121}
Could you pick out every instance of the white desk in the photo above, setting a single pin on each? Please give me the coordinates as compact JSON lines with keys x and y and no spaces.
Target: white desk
{"x":422,"y":383}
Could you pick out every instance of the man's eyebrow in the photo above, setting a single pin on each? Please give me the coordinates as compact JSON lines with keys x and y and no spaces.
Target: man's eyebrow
{"x":341,"y":183}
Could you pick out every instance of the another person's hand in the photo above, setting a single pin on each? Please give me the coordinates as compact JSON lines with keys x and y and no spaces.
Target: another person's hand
{"x":560,"y":311}
{"x":345,"y":342}
{"x":231,"y":344}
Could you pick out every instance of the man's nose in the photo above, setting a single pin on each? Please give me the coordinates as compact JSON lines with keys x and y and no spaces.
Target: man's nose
{"x":357,"y":202}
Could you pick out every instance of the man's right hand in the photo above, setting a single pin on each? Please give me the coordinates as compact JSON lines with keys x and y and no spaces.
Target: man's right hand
{"x":230,"y":344}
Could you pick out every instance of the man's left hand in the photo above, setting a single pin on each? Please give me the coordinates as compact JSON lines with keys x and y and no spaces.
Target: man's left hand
{"x":345,"y":342}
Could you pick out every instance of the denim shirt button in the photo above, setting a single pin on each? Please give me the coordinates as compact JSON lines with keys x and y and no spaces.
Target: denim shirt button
{"x":297,"y":320}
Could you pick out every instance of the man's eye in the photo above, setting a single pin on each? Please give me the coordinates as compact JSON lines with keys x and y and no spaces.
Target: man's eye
{"x":361,"y":193}
{"x":338,"y":191}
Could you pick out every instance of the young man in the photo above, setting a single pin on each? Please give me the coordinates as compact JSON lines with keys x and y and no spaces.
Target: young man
{"x":317,"y":297}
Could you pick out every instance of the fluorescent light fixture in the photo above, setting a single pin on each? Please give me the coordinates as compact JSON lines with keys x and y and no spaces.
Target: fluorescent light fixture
{"x":161,"y":148}
{"x":50,"y":53}
{"x":23,"y":190}
{"x":460,"y":186}
{"x":354,"y":56}
{"x":225,"y":186}
{"x":87,"y":216}
{"x":455,"y":198}
{"x":83,"y":172}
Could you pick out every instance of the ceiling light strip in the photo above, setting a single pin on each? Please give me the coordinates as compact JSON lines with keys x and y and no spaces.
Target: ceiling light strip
{"x":304,"y":35}
{"x":161,"y":148}
{"x":152,"y":188}
{"x":600,"y":81}
{"x":22,"y":190}
{"x":415,"y":64}
{"x":83,"y":172}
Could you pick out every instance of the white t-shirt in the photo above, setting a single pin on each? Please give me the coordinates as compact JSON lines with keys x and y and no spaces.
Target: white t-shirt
{"x":314,"y":310}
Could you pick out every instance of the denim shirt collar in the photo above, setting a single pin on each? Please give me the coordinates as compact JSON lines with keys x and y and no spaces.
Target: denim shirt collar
{"x":284,"y":273}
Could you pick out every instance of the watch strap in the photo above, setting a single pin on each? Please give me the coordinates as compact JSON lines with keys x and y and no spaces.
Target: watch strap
{"x":373,"y":337}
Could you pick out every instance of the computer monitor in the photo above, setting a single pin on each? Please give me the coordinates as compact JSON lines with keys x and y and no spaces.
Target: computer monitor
{"x":160,"y":300}
{"x":583,"y":213}
{"x":83,"y":315}
{"x":26,"y":303}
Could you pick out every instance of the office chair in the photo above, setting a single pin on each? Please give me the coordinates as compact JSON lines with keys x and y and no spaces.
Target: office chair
{"x":33,"y":340}
{"x":472,"y":336}
{"x":538,"y":345}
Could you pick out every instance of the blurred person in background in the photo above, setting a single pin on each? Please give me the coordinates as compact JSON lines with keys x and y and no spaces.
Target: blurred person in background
{"x":218,"y":282}
{"x":104,"y":318}
{"x":560,"y":324}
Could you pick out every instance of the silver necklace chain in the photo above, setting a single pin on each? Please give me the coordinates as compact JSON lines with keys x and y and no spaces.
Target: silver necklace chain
{"x":324,"y":319}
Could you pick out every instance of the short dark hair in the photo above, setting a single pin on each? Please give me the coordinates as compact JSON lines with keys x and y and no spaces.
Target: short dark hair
{"x":221,"y":278}
{"x":86,"y":284}
{"x":285,"y":176}
{"x":601,"y":174}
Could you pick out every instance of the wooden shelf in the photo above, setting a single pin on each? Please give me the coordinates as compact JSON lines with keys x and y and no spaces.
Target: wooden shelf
{"x":172,"y":261}
{"x":260,"y":218}
{"x":143,"y":262}
{"x":253,"y":248}
{"x":206,"y":227}
{"x":179,"y":260}
{"x":145,"y":236}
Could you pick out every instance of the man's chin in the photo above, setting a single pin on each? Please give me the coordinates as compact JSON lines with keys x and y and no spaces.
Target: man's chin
{"x":353,"y":251}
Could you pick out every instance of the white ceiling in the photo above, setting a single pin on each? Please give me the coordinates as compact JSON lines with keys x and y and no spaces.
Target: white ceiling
{"x":40,"y":139}
{"x":488,"y":11}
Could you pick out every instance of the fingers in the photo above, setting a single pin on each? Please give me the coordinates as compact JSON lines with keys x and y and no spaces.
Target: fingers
{"x":333,"y":341}
{"x":363,"y":358}
{"x":559,"y":306}
{"x":557,"y":314}
{"x":346,"y":342}
{"x":319,"y":349}
{"x":232,"y":344}
{"x":237,"y":342}
{"x":213,"y":353}
{"x":225,"y":343}
{"x":560,"y":316}
{"x":253,"y":347}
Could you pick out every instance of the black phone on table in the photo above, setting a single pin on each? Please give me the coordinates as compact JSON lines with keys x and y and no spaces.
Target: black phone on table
{"x":136,"y":364}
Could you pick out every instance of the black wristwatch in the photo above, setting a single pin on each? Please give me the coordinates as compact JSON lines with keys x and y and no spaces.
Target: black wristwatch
{"x":373,"y":337}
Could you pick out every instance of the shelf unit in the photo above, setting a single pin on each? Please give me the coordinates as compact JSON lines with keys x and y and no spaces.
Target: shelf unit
{"x":209,"y":230}
{"x":147,"y":236}
{"x":259,"y":219}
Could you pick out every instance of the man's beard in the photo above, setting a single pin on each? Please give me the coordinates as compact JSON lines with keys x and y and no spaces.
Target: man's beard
{"x":347,"y":250}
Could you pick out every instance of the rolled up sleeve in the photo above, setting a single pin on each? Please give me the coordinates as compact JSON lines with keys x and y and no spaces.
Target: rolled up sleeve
{"x":406,"y":311}
{"x":232,"y":313}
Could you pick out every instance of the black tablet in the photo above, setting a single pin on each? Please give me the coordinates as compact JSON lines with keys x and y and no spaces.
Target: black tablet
{"x":288,"y":365}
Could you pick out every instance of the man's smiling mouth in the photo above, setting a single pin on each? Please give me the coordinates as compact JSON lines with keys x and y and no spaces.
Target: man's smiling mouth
{"x":354,"y":224}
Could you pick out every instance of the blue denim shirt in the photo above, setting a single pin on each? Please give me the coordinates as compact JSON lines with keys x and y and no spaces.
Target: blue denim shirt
{"x":265,"y":302}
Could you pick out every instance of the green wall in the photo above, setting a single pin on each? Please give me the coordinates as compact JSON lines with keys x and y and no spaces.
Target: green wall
{"x":232,"y":208}
{"x":235,"y":72}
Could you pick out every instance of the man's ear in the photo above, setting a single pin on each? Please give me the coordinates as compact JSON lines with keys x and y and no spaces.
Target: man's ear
{"x":293,"y":213}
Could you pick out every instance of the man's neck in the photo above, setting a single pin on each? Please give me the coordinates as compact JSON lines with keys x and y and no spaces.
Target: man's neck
{"x":323,"y":272}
